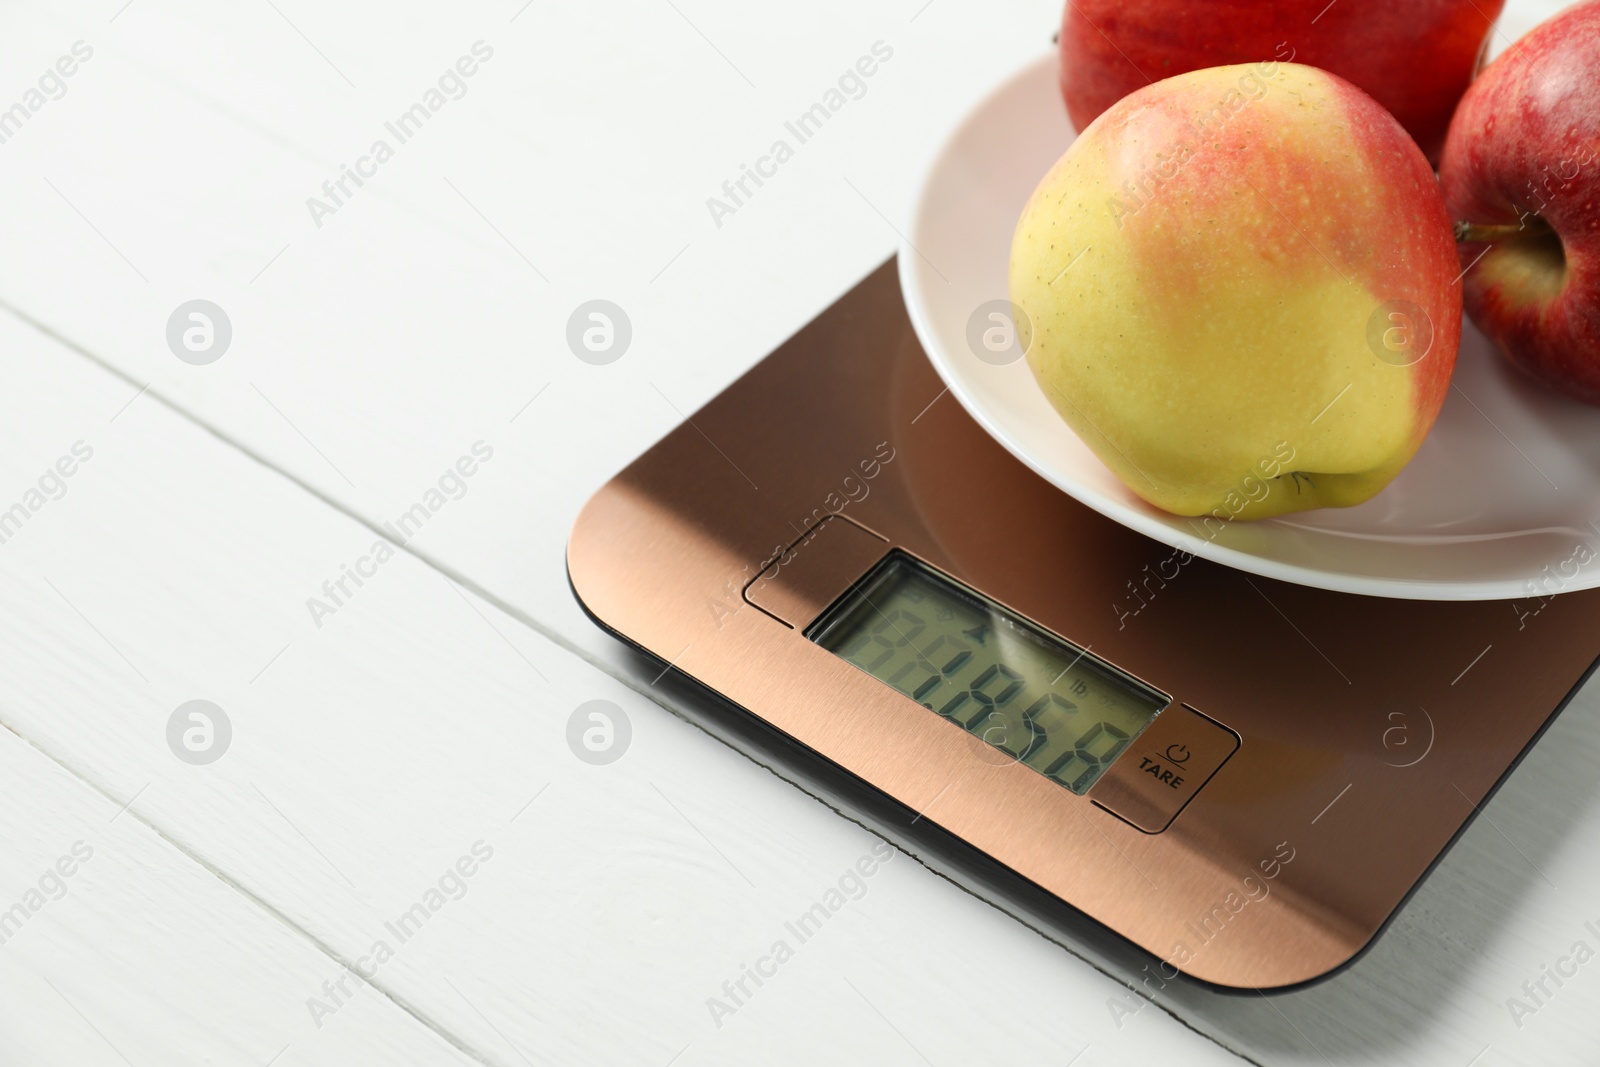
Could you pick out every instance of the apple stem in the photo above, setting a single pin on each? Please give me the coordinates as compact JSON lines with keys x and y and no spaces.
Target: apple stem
{"x":1470,"y":233}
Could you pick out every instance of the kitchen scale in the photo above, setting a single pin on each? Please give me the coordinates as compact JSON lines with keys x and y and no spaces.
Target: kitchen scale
{"x":1243,"y":778}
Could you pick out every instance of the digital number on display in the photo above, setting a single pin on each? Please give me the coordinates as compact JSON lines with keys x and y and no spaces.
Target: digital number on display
{"x":1044,"y":702}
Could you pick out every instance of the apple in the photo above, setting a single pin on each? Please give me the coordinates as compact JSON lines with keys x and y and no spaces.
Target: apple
{"x":1239,"y":288}
{"x":1521,"y":178}
{"x":1415,"y":57}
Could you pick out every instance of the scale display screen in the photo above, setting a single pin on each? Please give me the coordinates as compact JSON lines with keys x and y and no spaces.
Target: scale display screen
{"x":1040,"y":700}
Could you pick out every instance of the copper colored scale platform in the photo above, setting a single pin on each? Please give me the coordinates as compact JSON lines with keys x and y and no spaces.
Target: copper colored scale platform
{"x":1320,"y":750}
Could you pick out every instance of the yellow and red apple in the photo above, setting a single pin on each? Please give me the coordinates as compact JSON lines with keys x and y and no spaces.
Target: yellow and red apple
{"x":1415,"y":57}
{"x":1521,"y":178}
{"x":1241,"y":289}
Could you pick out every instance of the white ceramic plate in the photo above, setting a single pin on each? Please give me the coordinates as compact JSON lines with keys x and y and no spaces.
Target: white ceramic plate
{"x":1505,"y":491}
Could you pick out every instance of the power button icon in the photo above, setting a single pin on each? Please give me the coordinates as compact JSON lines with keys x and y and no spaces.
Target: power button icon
{"x":1177,"y":755}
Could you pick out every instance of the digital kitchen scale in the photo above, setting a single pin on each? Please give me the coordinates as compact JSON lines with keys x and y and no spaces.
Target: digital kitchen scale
{"x":1244,"y":778}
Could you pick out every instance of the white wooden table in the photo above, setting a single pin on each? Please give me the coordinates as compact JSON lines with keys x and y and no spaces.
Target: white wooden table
{"x":414,"y":726}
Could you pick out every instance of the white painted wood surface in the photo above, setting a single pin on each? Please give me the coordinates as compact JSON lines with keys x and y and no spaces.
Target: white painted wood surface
{"x":373,"y":751}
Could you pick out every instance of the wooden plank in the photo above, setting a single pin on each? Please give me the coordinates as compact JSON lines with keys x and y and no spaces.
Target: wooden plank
{"x":116,"y":947}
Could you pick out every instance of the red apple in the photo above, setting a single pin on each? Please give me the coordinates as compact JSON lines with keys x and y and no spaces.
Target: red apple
{"x":1521,"y":178}
{"x":1415,"y":57}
